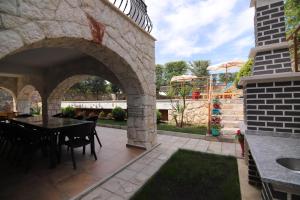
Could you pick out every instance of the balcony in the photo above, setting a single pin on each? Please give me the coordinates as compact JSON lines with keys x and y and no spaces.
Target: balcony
{"x":136,"y":10}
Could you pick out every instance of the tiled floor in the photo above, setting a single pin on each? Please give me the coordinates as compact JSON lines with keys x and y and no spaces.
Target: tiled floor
{"x":125,"y":183}
{"x":63,"y":182}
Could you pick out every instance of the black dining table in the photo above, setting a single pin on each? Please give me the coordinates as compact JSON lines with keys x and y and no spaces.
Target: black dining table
{"x":49,"y":127}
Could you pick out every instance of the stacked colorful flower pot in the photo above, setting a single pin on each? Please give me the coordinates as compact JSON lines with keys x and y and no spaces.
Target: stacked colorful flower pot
{"x":215,"y":124}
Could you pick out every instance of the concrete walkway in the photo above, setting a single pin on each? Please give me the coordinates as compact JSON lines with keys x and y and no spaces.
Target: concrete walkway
{"x":126,"y":182}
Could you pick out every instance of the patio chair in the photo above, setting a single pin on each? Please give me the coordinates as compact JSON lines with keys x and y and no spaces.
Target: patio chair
{"x":58,"y":115}
{"x":79,"y":136}
{"x":20,"y":143}
{"x":24,"y":115}
{"x":95,"y":119}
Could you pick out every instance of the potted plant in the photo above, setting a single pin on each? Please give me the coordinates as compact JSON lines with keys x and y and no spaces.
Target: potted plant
{"x":215,"y":129}
{"x":240,"y":137}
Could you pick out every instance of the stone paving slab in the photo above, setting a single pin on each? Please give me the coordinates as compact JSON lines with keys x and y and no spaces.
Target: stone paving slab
{"x":125,"y":183}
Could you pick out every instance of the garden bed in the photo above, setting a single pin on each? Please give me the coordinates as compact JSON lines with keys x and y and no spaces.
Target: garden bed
{"x":193,"y":175}
{"x":199,"y":130}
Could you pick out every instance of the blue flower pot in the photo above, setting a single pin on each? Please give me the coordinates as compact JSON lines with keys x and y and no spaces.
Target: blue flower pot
{"x":215,"y":132}
{"x":216,"y":111}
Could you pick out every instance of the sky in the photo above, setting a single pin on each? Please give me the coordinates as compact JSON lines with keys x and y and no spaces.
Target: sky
{"x":215,"y":30}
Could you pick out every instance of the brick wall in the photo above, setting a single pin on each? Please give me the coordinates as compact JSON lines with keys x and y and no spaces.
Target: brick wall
{"x":270,"y":25}
{"x":270,"y":29}
{"x":273,"y":106}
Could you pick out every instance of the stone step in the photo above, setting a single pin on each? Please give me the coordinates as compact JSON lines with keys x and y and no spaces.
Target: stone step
{"x":229,"y":131}
{"x":232,"y":101}
{"x":231,"y":124}
{"x":232,"y":112}
{"x":232,"y":117}
{"x":232,"y":106}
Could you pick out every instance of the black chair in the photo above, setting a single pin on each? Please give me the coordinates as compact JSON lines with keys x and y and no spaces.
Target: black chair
{"x":58,"y":115}
{"x":79,"y":117}
{"x":78,"y":136}
{"x":94,"y":119}
{"x":24,"y":115}
{"x":20,"y":143}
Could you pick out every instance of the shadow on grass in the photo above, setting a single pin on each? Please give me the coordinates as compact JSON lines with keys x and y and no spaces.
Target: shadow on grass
{"x":190,"y":175}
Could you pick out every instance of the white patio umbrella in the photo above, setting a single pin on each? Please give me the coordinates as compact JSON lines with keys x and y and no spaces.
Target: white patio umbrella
{"x":183,"y":78}
{"x":233,"y":64}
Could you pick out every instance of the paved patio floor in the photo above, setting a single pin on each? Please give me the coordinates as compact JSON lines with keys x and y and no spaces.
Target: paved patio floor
{"x":125,"y":183}
{"x":65,"y":183}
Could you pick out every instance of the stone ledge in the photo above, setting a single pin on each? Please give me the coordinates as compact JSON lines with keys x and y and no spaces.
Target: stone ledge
{"x":270,"y":47}
{"x":178,"y":134}
{"x":270,"y":77}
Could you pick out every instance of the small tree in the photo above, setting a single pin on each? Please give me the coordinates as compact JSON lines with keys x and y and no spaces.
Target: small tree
{"x":177,"y":96}
{"x":229,"y":77}
{"x":199,"y":67}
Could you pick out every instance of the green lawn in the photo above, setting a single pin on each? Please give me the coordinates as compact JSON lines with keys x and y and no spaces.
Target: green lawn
{"x":190,"y":175}
{"x":200,"y":130}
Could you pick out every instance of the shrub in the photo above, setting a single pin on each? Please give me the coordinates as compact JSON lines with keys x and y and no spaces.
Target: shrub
{"x":158,"y":116}
{"x":102,"y":115}
{"x":109,"y":116}
{"x":118,"y":114}
{"x":68,"y":112}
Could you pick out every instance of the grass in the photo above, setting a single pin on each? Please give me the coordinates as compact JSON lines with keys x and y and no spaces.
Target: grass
{"x":112,"y":122}
{"x":200,"y":130}
{"x":190,"y":175}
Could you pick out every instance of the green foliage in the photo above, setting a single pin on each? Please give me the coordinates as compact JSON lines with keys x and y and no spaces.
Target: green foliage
{"x":292,"y":15}
{"x":118,"y":114}
{"x":68,"y":112}
{"x":109,"y":116}
{"x":102,"y":115}
{"x":230,"y":77}
{"x":158,"y":116}
{"x":244,"y":71}
{"x":175,"y":68}
{"x":35,"y":110}
{"x":199,"y":67}
{"x":96,"y":86}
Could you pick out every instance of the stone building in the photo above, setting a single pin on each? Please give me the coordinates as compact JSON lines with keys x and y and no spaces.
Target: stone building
{"x":49,"y":46}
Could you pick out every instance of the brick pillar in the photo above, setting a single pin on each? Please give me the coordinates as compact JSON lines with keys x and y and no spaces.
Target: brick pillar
{"x":271,"y":53}
{"x":272,"y":94}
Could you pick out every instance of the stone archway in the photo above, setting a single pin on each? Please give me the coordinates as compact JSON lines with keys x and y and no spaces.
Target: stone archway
{"x":24,"y":98}
{"x":98,"y":32}
{"x":13,"y":97}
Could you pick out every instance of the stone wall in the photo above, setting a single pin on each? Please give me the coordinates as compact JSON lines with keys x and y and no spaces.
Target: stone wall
{"x":196,"y":113}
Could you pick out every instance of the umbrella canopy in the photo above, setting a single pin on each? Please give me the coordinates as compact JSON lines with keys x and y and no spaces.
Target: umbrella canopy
{"x":234,"y":64}
{"x":183,"y":78}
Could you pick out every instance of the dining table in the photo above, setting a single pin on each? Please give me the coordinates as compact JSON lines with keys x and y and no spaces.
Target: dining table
{"x":49,"y":127}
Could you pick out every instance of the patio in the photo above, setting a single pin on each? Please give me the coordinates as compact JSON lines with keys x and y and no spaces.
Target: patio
{"x":64,"y":183}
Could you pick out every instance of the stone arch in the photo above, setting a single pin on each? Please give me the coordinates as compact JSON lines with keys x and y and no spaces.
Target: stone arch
{"x":96,"y":29}
{"x":24,"y":98}
{"x":12,"y":94}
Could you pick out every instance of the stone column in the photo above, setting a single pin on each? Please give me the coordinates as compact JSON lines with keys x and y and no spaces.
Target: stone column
{"x":141,"y":131}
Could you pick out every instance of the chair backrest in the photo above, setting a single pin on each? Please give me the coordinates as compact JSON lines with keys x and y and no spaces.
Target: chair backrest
{"x":24,"y":115}
{"x":79,"y":117}
{"x":58,"y":115}
{"x":80,"y":130}
{"x":93,"y":118}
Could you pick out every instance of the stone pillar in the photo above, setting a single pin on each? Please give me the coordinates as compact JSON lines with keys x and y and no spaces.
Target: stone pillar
{"x":271,"y":53}
{"x":141,"y":131}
